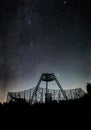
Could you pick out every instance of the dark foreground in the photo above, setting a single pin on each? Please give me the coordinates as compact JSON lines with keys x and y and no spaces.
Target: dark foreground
{"x":71,"y":115}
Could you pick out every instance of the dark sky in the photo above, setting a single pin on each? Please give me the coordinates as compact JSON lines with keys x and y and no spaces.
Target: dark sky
{"x":44,"y":36}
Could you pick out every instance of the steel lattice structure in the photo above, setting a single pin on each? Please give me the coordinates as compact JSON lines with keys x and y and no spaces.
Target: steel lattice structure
{"x":42,"y":95}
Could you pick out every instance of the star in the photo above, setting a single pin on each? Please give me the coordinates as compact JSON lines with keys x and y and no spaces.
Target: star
{"x":65,"y":2}
{"x":47,"y":17}
{"x":61,"y":30}
{"x":21,"y":66}
{"x":31,"y":43}
{"x":12,"y":67}
{"x":29,"y":22}
{"x":20,"y":51}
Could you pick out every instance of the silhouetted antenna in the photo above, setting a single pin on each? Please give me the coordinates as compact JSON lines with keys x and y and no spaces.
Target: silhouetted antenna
{"x":41,"y":95}
{"x":47,"y":78}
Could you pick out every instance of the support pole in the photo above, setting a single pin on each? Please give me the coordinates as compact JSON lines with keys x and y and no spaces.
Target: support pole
{"x":41,"y":96}
{"x":30,"y":96}
{"x":35,"y":91}
{"x":46,"y":98}
{"x":24,"y":94}
{"x":64,"y":93}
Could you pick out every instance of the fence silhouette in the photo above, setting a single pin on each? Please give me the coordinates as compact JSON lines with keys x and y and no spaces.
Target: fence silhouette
{"x":54,"y":94}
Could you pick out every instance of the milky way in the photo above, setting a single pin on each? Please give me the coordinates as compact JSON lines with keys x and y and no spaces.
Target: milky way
{"x":39,"y":36}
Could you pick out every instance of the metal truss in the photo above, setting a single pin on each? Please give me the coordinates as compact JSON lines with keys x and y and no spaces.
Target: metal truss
{"x":42,"y":95}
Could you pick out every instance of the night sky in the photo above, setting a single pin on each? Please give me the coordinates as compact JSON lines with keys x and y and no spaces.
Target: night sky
{"x":39,"y":36}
